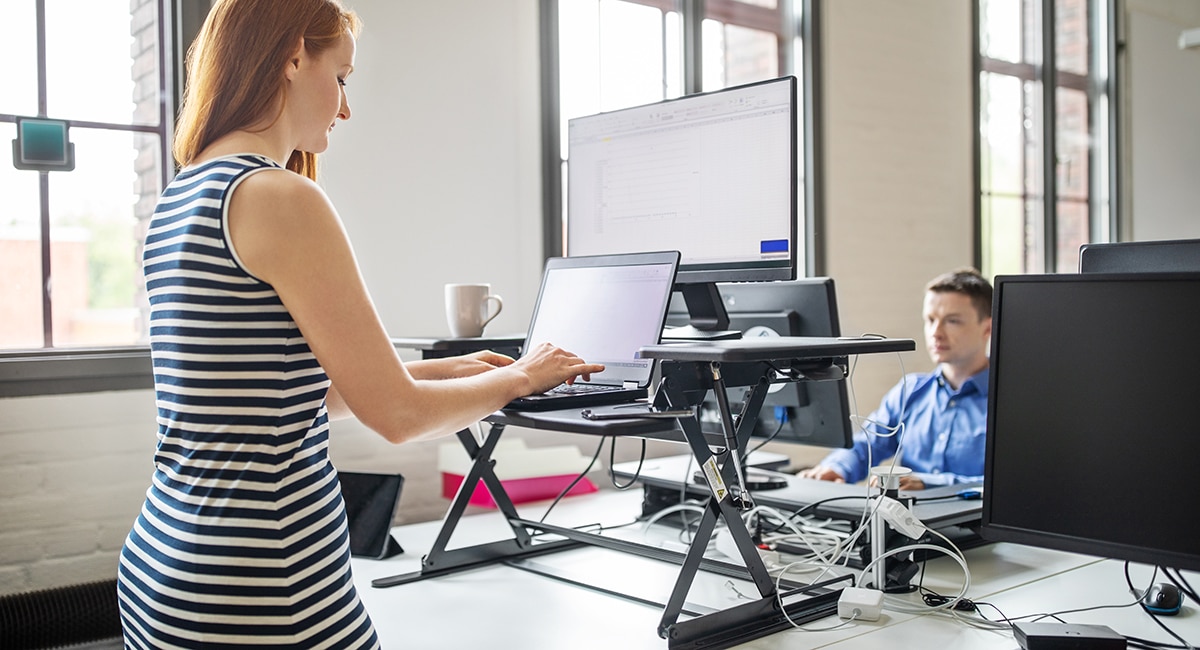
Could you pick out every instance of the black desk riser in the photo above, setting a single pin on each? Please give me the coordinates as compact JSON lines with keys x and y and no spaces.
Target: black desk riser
{"x":688,"y":371}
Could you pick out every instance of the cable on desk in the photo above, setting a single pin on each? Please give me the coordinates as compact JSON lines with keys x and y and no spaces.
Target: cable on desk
{"x":953,"y":553}
{"x":1153,"y":617}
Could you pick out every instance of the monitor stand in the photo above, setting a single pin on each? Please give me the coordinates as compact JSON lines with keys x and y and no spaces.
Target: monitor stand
{"x":756,"y":479}
{"x":709,"y":321}
{"x":690,"y":333}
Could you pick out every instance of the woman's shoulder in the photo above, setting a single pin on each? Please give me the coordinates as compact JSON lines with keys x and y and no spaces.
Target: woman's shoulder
{"x":279,"y":191}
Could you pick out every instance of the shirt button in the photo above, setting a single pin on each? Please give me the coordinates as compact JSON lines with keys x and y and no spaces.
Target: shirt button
{"x":951,"y":404}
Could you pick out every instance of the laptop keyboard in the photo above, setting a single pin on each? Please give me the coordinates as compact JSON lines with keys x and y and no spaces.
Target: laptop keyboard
{"x":579,"y":389}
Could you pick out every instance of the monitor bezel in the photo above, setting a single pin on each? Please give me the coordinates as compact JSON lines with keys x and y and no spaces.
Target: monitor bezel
{"x":1159,"y":256}
{"x":745,"y":271}
{"x":1003,"y":531}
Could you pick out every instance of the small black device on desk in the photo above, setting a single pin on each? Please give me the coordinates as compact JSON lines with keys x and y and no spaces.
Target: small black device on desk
{"x":1066,"y":636}
{"x":371,"y":502}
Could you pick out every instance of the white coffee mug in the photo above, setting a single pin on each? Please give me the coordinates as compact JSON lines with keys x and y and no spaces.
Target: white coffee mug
{"x":467,"y":308}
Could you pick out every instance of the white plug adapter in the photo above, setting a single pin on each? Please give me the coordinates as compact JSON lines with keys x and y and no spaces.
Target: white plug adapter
{"x":901,"y":518}
{"x":860,"y":604}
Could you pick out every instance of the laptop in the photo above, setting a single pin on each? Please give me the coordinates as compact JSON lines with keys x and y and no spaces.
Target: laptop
{"x":603,"y":308}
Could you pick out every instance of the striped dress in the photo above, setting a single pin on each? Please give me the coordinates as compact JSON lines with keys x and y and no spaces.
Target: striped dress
{"x":242,"y":539}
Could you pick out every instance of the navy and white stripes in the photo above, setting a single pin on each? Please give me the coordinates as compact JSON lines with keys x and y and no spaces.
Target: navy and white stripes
{"x":242,"y":539}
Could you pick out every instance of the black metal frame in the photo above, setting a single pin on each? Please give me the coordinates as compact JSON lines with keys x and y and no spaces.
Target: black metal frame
{"x":683,"y":383}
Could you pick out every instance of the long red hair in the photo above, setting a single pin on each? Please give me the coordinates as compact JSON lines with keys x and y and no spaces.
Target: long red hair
{"x":235,"y":68}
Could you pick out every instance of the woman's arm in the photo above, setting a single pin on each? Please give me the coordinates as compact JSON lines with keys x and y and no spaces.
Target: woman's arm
{"x":287,"y":233}
{"x":460,"y":366}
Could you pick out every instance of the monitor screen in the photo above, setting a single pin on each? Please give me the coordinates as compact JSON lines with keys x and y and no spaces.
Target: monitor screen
{"x":711,"y":175}
{"x":1091,"y":446}
{"x":813,"y":412}
{"x":1140,"y":256}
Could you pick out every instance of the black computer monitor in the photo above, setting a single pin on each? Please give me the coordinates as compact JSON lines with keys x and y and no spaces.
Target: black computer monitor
{"x":711,"y":175}
{"x":1091,"y":441}
{"x":811,"y":412}
{"x":1140,"y":256}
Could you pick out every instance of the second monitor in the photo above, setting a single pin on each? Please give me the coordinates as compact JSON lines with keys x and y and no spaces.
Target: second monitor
{"x":712,"y":175}
{"x":811,"y":412}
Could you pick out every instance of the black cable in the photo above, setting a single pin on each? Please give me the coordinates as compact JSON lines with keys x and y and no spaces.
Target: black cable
{"x":934,"y":599}
{"x":573,"y":483}
{"x":1137,"y":642}
{"x":769,"y":438}
{"x":1154,"y":617}
{"x":612,"y":459}
{"x":1181,"y":582}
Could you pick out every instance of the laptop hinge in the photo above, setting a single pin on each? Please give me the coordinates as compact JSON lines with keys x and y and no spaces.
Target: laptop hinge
{"x":630,"y":384}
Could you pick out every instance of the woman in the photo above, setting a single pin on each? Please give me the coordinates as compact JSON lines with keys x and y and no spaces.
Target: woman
{"x":261,"y":332}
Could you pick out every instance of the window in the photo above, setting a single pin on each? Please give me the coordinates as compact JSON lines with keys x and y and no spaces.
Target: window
{"x":1035,"y":144}
{"x":70,"y":241}
{"x":602,"y":55}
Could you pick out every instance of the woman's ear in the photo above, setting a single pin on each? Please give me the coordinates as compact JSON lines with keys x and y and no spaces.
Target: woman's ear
{"x":293,"y":64}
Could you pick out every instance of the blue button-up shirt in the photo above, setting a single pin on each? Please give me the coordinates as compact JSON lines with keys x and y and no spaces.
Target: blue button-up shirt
{"x":943,"y":436}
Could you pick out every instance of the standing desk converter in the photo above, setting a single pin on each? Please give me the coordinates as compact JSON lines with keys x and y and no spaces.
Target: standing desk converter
{"x":688,"y":371}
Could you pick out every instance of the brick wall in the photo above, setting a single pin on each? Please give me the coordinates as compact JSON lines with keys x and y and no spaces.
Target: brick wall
{"x":73,"y":474}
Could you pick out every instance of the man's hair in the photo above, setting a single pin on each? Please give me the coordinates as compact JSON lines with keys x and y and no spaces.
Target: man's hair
{"x":235,"y":68}
{"x":968,"y":282}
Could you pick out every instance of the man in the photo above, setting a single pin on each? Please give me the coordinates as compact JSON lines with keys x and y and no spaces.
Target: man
{"x":939,"y":419}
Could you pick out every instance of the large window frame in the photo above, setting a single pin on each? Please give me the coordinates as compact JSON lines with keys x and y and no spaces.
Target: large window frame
{"x":694,"y":13}
{"x":50,"y":370}
{"x":1042,"y":250}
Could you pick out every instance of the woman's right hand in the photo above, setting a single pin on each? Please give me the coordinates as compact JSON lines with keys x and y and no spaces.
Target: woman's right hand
{"x":547,"y":366}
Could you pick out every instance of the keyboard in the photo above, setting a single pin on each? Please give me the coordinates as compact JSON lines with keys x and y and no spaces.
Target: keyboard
{"x":580,"y":389}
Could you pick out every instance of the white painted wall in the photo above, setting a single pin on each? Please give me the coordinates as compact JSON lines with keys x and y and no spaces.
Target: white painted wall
{"x":1163,"y":105}
{"x":898,"y":167}
{"x":438,"y":174}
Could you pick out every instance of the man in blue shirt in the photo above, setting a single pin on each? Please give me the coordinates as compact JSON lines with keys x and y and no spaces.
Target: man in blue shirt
{"x":944,"y":413}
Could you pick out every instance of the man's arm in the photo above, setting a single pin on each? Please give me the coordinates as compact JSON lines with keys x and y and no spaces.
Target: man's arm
{"x":851,"y":465}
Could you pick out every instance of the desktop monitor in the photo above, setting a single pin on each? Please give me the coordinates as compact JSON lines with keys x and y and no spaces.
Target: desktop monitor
{"x":1091,"y":444}
{"x":810,"y":412}
{"x":1140,"y":256}
{"x":711,"y":175}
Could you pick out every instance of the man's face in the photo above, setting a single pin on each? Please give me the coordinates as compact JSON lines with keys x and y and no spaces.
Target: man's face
{"x":954,"y":332}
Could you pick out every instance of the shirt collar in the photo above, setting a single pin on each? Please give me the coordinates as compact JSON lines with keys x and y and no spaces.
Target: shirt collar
{"x":979,"y":381}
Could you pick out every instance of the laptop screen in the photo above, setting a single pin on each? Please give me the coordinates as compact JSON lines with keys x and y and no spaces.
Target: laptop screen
{"x":604,"y":308}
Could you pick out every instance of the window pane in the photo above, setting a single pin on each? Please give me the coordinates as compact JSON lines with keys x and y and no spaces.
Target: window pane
{"x":1000,"y":29}
{"x":96,"y":298}
{"x":103,"y":89}
{"x":18,"y":50}
{"x":1072,"y":140}
{"x":20,"y":255}
{"x":735,"y":55}
{"x":1035,"y":214}
{"x":1072,"y":233}
{"x":1004,"y":133}
{"x":1071,"y":35}
{"x":615,"y":54}
{"x":1003,"y":235}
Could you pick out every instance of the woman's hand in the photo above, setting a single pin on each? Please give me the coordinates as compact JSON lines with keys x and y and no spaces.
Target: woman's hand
{"x":547,"y":366}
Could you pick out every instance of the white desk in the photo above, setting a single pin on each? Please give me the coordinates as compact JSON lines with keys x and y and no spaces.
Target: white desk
{"x":505,"y":607}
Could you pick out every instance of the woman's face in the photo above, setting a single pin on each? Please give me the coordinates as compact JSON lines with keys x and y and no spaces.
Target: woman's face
{"x":317,"y":98}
